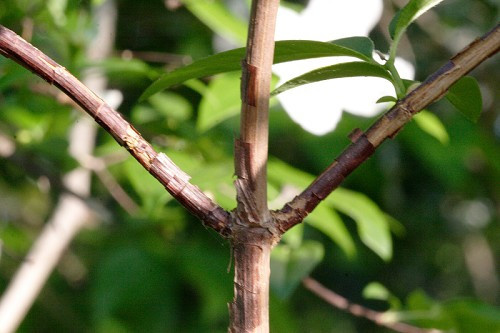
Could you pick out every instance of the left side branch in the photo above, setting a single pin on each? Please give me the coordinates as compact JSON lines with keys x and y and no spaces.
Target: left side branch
{"x":158,"y":164}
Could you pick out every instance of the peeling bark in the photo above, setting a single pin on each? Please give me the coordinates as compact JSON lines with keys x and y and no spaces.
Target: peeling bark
{"x":158,"y":165}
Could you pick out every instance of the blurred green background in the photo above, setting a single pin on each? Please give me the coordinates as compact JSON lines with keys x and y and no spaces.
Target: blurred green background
{"x":148,"y":266}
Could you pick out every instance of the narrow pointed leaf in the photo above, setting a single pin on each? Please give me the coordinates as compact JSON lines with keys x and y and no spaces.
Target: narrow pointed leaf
{"x":409,"y":13}
{"x":347,"y":69}
{"x":465,"y":95}
{"x":289,"y":50}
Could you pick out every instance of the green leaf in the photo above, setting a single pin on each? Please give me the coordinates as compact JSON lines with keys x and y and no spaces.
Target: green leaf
{"x":123,"y":67}
{"x":294,"y":236}
{"x":220,"y":101}
{"x":290,"y":265}
{"x":375,"y":290}
{"x":372,"y":223}
{"x":363,"y":45}
{"x":330,"y":223}
{"x":152,"y":193}
{"x":465,"y":95}
{"x":430,"y":123}
{"x":406,"y":15}
{"x":385,"y":99}
{"x":128,"y":276}
{"x":215,"y":15}
{"x":347,"y":69}
{"x":228,"y":61}
{"x":473,"y":316}
{"x":172,"y":106}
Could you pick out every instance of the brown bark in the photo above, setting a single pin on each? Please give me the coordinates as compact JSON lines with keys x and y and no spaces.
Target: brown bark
{"x":364,"y":144}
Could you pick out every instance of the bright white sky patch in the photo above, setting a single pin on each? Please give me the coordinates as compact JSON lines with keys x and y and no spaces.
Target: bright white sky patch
{"x":318,"y":107}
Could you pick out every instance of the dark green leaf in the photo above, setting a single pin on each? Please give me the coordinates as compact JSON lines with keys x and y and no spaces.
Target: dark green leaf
{"x":290,"y":265}
{"x":385,"y":99}
{"x":465,"y":95}
{"x":289,"y":50}
{"x":363,"y":45}
{"x":347,"y":69}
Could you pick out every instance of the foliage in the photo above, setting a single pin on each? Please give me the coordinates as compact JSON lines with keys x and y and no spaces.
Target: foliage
{"x":157,"y":270}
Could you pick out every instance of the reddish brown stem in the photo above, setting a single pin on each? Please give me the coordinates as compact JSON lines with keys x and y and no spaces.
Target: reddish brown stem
{"x":364,"y":144}
{"x":158,"y":164}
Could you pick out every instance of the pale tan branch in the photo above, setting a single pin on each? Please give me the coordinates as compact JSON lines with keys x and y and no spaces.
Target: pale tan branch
{"x":340,"y":302}
{"x":251,"y":149}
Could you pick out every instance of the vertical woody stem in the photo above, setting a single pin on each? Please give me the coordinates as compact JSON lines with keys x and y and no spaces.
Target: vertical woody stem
{"x":253,"y":233}
{"x":251,"y":149}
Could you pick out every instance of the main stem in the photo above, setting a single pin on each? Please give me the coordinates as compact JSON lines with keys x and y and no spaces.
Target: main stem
{"x":253,"y":233}
{"x":255,"y":85}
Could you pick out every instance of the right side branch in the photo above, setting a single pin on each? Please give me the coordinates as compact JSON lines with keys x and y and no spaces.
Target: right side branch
{"x":364,"y":144}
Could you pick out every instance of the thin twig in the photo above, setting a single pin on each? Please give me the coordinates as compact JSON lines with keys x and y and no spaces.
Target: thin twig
{"x":364,"y":144}
{"x":340,"y":302}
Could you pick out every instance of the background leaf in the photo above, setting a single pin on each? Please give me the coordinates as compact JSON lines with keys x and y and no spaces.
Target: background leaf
{"x":289,"y":265}
{"x":216,"y":16}
{"x":330,"y":223}
{"x":373,"y":226}
{"x":465,"y":95}
{"x":430,"y":123}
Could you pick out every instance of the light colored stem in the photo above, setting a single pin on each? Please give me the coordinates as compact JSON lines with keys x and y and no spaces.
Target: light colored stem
{"x":253,"y":234}
{"x":255,"y":89}
{"x":249,"y":311}
{"x":71,"y":213}
{"x":379,"y":318}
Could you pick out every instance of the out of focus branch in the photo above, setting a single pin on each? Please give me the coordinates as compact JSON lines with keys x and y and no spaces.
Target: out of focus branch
{"x":379,"y":318}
